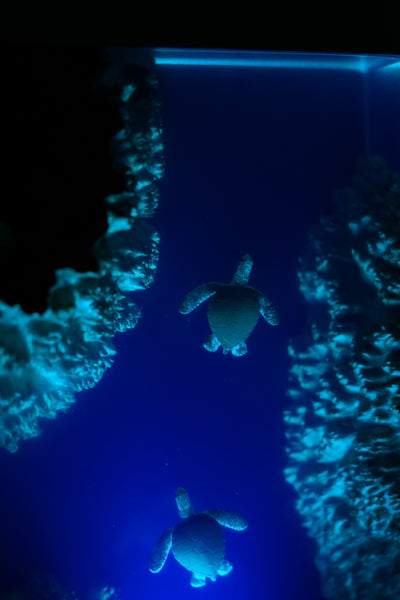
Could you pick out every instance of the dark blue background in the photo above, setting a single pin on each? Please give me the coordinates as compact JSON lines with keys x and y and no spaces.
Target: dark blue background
{"x":252,"y":159}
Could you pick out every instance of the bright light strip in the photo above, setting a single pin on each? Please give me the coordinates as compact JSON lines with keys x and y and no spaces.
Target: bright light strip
{"x":293,"y":60}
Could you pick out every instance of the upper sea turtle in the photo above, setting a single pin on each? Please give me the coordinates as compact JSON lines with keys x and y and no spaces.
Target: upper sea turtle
{"x":198,"y":541}
{"x":233,"y":310}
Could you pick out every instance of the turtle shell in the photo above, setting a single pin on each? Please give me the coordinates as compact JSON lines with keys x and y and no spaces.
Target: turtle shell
{"x":198,"y":544}
{"x":233,"y":312}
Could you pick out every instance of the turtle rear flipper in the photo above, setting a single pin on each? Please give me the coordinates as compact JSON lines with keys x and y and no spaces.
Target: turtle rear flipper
{"x":211,"y":343}
{"x":225,"y":568}
{"x":160,"y":551}
{"x":240,"y":349}
{"x":197,"y":580}
{"x":228,"y":518}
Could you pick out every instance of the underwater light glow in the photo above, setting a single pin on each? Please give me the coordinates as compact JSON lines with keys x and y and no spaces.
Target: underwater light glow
{"x":293,"y":60}
{"x":393,"y":67}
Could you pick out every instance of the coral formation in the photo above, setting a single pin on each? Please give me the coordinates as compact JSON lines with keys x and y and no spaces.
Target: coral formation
{"x":343,"y":425}
{"x":46,"y":358}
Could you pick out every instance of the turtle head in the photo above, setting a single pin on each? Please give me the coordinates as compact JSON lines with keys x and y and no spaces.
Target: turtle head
{"x":185,"y":508}
{"x":242,"y":274}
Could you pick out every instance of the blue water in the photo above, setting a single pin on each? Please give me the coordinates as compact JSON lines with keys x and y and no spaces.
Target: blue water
{"x":253,"y":157}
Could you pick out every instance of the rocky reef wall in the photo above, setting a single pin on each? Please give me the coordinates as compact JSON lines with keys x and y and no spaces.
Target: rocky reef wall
{"x":46,"y":358}
{"x":343,"y":425}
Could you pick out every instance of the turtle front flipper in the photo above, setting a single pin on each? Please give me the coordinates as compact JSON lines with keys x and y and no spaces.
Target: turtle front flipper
{"x":160,"y":551}
{"x":229,"y":519}
{"x":268,"y":311}
{"x":196,"y":296}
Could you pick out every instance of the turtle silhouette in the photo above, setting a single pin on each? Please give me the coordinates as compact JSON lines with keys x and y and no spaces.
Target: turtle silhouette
{"x":198,"y":541}
{"x":233,"y":310}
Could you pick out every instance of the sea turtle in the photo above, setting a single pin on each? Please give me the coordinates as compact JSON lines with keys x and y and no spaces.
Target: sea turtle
{"x":198,"y":541}
{"x":232,"y":311}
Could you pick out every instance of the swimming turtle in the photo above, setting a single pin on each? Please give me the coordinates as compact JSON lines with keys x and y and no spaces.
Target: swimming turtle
{"x":198,"y":541}
{"x":233,"y":310}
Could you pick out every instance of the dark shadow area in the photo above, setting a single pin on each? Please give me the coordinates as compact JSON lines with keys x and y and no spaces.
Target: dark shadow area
{"x":56,"y":125}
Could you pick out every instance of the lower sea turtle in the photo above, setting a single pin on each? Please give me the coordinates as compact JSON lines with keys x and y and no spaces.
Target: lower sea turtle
{"x":198,"y":541}
{"x":233,"y":310}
